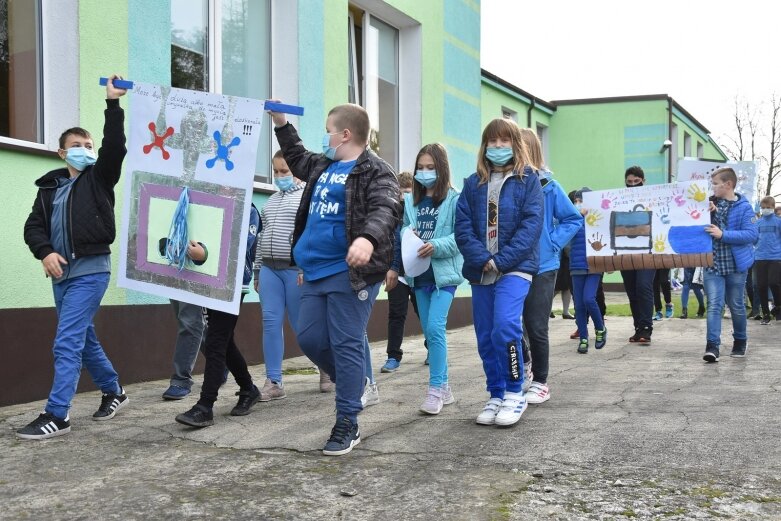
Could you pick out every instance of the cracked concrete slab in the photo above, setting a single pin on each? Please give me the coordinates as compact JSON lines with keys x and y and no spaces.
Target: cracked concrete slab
{"x":631,"y":432}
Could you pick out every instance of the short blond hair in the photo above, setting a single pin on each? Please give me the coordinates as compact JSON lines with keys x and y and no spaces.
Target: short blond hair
{"x":353,"y":117}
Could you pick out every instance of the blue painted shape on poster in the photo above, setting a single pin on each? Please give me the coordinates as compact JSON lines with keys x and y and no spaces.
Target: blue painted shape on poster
{"x":689,"y":239}
{"x":223,"y":151}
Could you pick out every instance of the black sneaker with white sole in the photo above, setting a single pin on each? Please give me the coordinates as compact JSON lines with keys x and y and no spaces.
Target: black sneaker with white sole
{"x":199,"y":416}
{"x":45,"y":426}
{"x":110,"y":403}
{"x":711,"y":353}
{"x":738,"y":349}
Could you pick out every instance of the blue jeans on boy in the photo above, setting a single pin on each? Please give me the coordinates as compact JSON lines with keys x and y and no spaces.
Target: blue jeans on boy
{"x":332,"y":322}
{"x":584,"y":292}
{"x":189,"y":338}
{"x":77,"y":300}
{"x":721,"y":289}
{"x":279,"y":292}
{"x":433,"y":307}
{"x":496,"y":311}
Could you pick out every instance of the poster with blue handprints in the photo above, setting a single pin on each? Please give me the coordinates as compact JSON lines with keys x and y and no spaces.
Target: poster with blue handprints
{"x":648,"y":227}
{"x":190,"y":169}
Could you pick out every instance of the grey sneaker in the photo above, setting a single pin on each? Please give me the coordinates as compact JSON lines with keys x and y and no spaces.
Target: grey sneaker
{"x":326,"y":385}
{"x":272,"y":391}
{"x":371,"y":395}
{"x":527,"y":376}
{"x":447,"y":395}
{"x":433,"y":402}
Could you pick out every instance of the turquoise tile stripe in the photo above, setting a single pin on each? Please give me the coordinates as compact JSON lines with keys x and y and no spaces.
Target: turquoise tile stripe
{"x":149,"y":57}
{"x":462,"y":165}
{"x":462,"y":120}
{"x":460,"y":70}
{"x":460,"y":22}
{"x":645,"y":132}
{"x":311,"y":60}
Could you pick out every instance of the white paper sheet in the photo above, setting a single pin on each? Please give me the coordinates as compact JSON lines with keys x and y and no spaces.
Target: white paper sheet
{"x":413,"y":265}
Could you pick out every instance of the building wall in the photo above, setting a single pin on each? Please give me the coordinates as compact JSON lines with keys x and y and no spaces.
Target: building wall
{"x":597,"y":142}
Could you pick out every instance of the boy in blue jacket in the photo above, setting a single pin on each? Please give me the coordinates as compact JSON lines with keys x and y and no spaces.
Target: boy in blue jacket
{"x":733,"y":233}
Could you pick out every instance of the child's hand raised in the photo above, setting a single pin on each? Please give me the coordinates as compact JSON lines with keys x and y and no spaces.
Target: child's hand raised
{"x":113,"y":92}
{"x":360,"y":252}
{"x":278,"y":118}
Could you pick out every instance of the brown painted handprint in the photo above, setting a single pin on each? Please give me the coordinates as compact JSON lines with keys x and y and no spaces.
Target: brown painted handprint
{"x":596,"y":243}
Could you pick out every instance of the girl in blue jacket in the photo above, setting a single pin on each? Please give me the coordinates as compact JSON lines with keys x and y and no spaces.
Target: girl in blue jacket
{"x":498,"y":226}
{"x":584,"y":285}
{"x":430,"y":210}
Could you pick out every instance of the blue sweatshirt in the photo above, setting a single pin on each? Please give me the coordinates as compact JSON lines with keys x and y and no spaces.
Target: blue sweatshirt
{"x":561,"y":220}
{"x":769,"y":242}
{"x":322,"y":249}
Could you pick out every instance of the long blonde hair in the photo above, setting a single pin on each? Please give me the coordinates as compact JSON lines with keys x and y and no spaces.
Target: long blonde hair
{"x":534,"y":147}
{"x":505,"y":129}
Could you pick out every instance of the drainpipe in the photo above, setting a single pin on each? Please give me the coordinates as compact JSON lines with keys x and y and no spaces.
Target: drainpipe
{"x":529,"y":115}
{"x":670,"y":137}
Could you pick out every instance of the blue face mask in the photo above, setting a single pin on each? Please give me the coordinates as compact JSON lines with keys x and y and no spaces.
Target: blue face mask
{"x":328,"y":150}
{"x":499,"y":156}
{"x":426,"y":177}
{"x":80,"y":158}
{"x":284,"y":183}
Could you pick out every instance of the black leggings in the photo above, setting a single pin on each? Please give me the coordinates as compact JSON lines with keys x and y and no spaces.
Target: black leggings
{"x":220,"y":351}
{"x":768,"y":274}
{"x":662,"y":284}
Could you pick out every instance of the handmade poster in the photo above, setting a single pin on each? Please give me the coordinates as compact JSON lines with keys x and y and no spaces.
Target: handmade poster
{"x":190,"y":154}
{"x":648,"y":227}
{"x":701,"y":169}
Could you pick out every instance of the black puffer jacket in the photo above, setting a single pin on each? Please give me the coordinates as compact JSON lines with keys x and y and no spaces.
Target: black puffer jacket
{"x":372,"y":207}
{"x":90,"y":207}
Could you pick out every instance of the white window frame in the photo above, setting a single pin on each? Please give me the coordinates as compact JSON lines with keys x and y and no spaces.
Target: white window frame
{"x":59,"y":66}
{"x":410,"y":75}
{"x":700,"y":150}
{"x":687,"y":144}
{"x":508,"y":113}
{"x":543,"y":134}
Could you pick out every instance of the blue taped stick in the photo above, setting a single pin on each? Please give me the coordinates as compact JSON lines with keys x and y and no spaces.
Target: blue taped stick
{"x":281,"y":107}
{"x":120,"y":84}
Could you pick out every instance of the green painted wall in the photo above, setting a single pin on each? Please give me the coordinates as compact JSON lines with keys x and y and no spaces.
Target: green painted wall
{"x":593,"y":144}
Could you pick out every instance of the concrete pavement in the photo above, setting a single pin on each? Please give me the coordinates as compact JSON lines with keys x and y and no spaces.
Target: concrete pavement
{"x":631,"y":432}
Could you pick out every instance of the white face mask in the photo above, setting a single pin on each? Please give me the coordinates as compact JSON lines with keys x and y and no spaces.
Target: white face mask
{"x":766,"y":211}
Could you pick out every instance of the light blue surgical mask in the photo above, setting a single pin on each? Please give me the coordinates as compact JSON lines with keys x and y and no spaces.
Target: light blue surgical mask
{"x":328,"y":150}
{"x":80,"y":158}
{"x":499,"y":156}
{"x":766,"y":211}
{"x":579,"y":206}
{"x":426,"y":177}
{"x":284,"y":183}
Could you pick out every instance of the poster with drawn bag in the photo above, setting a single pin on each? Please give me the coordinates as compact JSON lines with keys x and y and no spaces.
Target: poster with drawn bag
{"x":206,"y":143}
{"x":648,"y":227}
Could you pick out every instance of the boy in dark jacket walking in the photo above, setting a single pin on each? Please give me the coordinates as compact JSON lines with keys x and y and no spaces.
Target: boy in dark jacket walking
{"x":70,"y":230}
{"x":343,"y":242}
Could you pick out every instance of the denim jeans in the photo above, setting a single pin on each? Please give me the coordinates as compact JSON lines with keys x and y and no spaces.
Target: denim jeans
{"x":279,"y":292}
{"x":77,"y":300}
{"x":331,"y":329}
{"x":536,"y":314}
{"x":398,"y":304}
{"x":639,"y":287}
{"x":721,"y":289}
{"x":434,"y":307}
{"x":584,"y":292}
{"x":189,"y":339}
{"x":496,"y":311}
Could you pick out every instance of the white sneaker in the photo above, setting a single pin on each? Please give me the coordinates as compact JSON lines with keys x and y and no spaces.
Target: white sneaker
{"x":371,"y":395}
{"x":488,"y":416}
{"x":447,"y":395}
{"x":527,"y":377}
{"x":537,"y":393}
{"x":433,"y":402}
{"x":511,"y":409}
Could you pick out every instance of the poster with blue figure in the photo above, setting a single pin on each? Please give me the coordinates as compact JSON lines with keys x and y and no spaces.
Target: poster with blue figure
{"x":648,"y":227}
{"x":190,"y":171}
